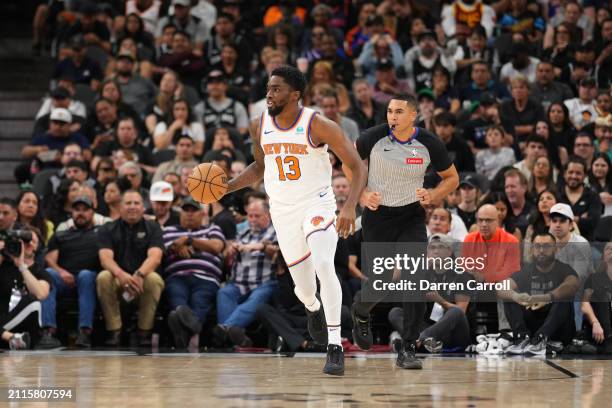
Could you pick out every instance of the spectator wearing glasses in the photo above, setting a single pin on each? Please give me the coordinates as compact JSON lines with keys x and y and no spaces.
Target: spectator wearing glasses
{"x":584,"y":148}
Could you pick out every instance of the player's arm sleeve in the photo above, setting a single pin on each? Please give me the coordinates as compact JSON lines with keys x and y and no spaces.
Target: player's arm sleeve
{"x":437,"y":153}
{"x":365,"y":143}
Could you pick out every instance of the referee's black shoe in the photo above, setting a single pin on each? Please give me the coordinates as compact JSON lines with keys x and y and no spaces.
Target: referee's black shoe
{"x":407,"y":359}
{"x":317,"y":326}
{"x":335,"y":360}
{"x":362,"y":333}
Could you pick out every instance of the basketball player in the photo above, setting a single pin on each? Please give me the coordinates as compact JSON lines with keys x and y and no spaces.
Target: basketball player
{"x":290,"y":149}
{"x":398,"y":155}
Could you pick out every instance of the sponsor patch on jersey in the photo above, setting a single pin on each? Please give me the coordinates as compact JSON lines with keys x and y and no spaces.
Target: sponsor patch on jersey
{"x":414,"y":160}
{"x":316,"y":220}
{"x":300,"y":129}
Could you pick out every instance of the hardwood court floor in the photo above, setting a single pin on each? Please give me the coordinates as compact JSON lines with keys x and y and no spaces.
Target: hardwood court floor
{"x":127,"y":379}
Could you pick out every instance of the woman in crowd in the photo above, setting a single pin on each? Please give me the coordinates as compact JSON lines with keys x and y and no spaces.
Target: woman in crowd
{"x":145,"y":42}
{"x":542,"y":177}
{"x":169,"y":89}
{"x":180,"y":120}
{"x":323,"y":73}
{"x":539,"y":220}
{"x":490,"y":160}
{"x":112,"y":200}
{"x":446,"y":96}
{"x":558,"y":154}
{"x":30,"y":213}
{"x":110,"y":90}
{"x":142,"y":67}
{"x":61,"y":206}
{"x":600,"y":179}
{"x":562,"y":132}
{"x":499,"y":200}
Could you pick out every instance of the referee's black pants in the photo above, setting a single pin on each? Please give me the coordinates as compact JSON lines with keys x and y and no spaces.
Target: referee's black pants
{"x":405,"y":224}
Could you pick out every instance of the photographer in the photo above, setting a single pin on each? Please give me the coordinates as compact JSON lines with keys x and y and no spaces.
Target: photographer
{"x":23,"y":284}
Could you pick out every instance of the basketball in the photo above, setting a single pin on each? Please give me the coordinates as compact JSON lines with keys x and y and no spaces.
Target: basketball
{"x":207,"y":183}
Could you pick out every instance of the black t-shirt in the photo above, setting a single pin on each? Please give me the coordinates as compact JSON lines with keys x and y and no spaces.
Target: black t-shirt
{"x":461,"y":154}
{"x":601,"y":284}
{"x":130,"y":244}
{"x":10,"y":277}
{"x":225,"y":221}
{"x":468,"y":217}
{"x":83,"y":74}
{"x":475,"y":131}
{"x":530,"y":280}
{"x":78,"y":249}
{"x":174,"y":219}
{"x":451,"y":277}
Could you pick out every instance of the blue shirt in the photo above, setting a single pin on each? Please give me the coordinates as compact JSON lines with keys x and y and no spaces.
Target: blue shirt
{"x":58,"y":143}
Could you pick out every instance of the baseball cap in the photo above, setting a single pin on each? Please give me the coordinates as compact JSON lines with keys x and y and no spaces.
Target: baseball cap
{"x":486,"y":99}
{"x":470,"y":180}
{"x":426,"y":93}
{"x":588,"y":83}
{"x":190,"y":202}
{"x":161,"y":191}
{"x":443,"y":239}
{"x":60,"y":93}
{"x":61,"y":114}
{"x":184,"y":3}
{"x":215,"y":75}
{"x":82,"y":200}
{"x":384,"y":64}
{"x":562,"y":209}
{"x":427,"y":34}
{"x":125,"y":55}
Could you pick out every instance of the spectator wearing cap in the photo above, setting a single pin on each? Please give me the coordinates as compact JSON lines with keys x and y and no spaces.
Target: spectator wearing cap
{"x":184,"y":21}
{"x":136,"y":91}
{"x":252,"y":278}
{"x":331,"y":110}
{"x":379,"y":47}
{"x":60,"y":97}
{"x":93,"y":31}
{"x":180,"y":121}
{"x":584,"y":201}
{"x":484,"y":115}
{"x":218,"y":110}
{"x":365,"y":111}
{"x":572,"y":248}
{"x":73,"y":262}
{"x":482,"y":81}
{"x":546,"y":90}
{"x":225,"y":32}
{"x":47,"y":147}
{"x":126,"y":140}
{"x":387,"y":84}
{"x":520,"y":114}
{"x":582,"y":109}
{"x":83,"y":69}
{"x":85,"y":190}
{"x":458,"y":150}
{"x":496,"y":156}
{"x":130,"y":251}
{"x":470,"y":192}
{"x":446,"y":322}
{"x":161,"y":196}
{"x":183,"y":60}
{"x":193,"y":270}
{"x":420,"y":61}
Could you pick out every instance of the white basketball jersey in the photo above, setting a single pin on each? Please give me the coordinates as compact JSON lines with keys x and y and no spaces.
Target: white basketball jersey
{"x":296,"y":171}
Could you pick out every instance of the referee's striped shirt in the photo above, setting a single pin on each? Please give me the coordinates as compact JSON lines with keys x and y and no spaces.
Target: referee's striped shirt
{"x":202,"y":264}
{"x":396,"y":168}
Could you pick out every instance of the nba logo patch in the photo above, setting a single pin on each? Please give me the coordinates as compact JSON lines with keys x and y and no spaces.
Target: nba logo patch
{"x":316,"y":220}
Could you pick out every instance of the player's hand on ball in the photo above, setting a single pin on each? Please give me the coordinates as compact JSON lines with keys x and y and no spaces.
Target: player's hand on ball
{"x":424,"y":196}
{"x":370,"y":199}
{"x":345,"y":223}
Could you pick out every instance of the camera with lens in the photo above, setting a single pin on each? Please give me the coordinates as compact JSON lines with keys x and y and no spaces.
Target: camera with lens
{"x":12,"y":241}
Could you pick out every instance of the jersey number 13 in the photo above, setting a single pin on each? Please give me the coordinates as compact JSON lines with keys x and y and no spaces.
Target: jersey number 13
{"x":293,"y":166}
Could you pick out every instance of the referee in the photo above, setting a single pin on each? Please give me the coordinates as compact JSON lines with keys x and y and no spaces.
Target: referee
{"x":398,"y":154}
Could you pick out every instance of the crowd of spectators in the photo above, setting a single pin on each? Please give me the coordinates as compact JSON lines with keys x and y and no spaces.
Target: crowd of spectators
{"x":144,"y":90}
